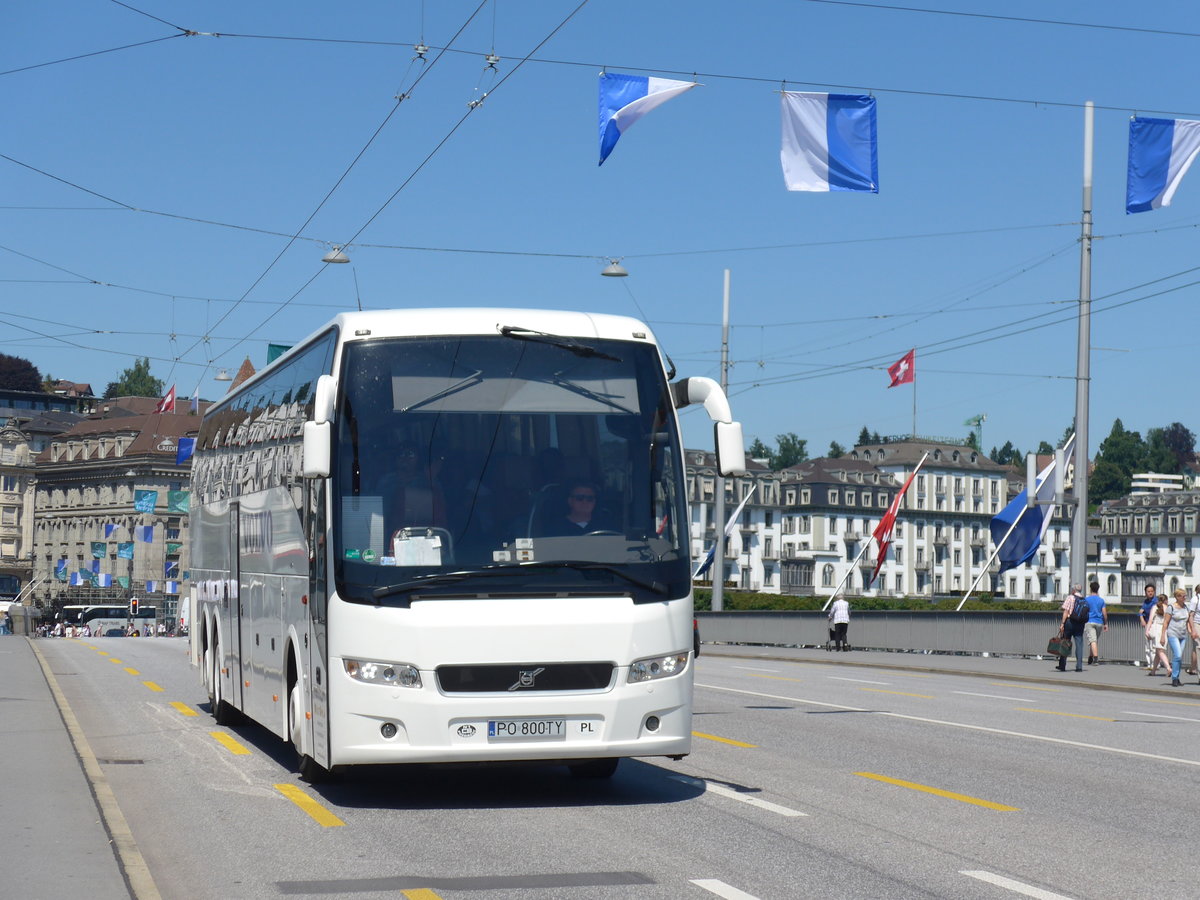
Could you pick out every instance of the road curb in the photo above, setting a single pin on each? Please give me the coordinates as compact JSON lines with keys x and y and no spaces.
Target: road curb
{"x":129,"y":858}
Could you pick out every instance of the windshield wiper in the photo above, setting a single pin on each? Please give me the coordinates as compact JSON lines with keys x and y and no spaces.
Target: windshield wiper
{"x":656,"y":587}
{"x":431,"y":579}
{"x":556,"y":340}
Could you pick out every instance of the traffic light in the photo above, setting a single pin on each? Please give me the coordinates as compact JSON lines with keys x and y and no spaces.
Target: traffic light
{"x":133,"y":607}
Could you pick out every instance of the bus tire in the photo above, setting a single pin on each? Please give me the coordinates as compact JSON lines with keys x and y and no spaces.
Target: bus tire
{"x":595,"y":768}
{"x":223,"y":713}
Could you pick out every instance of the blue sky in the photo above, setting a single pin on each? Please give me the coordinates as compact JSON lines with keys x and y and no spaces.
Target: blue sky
{"x":974,"y":231}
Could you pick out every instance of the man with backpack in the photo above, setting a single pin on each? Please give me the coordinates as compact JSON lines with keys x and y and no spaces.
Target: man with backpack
{"x":1075,"y":614}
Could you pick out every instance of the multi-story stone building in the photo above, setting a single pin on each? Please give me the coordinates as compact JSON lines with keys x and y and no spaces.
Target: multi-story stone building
{"x":806,"y":527}
{"x":112,"y":502}
{"x":28,"y":420}
{"x":1148,"y":537}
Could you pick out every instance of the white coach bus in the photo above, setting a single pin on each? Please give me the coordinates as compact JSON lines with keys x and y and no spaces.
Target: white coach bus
{"x":451,"y":535}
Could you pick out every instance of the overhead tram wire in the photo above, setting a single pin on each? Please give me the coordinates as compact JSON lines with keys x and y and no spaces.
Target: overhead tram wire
{"x":470,"y":109}
{"x":296,"y":236}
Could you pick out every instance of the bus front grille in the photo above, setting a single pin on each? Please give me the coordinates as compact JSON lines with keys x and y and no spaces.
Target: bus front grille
{"x":517,"y":677}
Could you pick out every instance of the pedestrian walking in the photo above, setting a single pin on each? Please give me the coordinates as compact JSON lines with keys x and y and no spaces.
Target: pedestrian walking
{"x":839,"y":618}
{"x":1072,"y":625}
{"x":1193,"y":606}
{"x":1096,"y":624}
{"x":1154,"y":634}
{"x":1193,"y":622}
{"x":1174,"y":631}
{"x":1148,"y":605}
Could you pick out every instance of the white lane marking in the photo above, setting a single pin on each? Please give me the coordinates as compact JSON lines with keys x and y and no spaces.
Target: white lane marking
{"x":738,"y":795}
{"x":1130,"y":712}
{"x":859,"y":680}
{"x":994,"y":696}
{"x":755,"y":669}
{"x":1019,"y":734}
{"x":721,"y":889}
{"x":1017,"y":887}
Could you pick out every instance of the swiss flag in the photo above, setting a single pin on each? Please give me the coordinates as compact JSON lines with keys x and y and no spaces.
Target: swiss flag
{"x":902,"y":370}
{"x":167,"y":403}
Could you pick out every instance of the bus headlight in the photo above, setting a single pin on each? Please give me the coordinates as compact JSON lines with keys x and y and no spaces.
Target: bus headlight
{"x":385,"y":673}
{"x":656,"y":667}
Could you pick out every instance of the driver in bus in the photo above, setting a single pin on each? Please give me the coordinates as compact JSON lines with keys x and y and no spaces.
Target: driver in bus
{"x":411,"y":492}
{"x":583,"y":513}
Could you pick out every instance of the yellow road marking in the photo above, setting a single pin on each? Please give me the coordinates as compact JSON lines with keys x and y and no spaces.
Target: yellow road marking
{"x":1169,"y":702}
{"x":963,"y":798}
{"x":229,"y":743}
{"x":776,"y":677}
{"x":1023,"y":686}
{"x":909,"y":674}
{"x":901,"y":693}
{"x":132,"y":671}
{"x":1050,"y":712}
{"x":420,"y":894}
{"x":184,"y":708}
{"x":152,"y":686}
{"x":102,"y":652}
{"x":113,"y":659}
{"x":320,"y":814}
{"x":732,"y":743}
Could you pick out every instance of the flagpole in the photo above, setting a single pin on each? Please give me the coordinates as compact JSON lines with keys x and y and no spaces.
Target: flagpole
{"x":846,"y":577}
{"x":914,"y":431}
{"x":1083,"y":363}
{"x":991,"y":559}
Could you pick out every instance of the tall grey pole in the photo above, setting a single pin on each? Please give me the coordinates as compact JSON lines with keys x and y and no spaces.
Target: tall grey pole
{"x":1083,"y":364}
{"x":718,"y":591}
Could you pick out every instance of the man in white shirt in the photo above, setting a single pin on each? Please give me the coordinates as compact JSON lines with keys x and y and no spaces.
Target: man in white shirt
{"x":839,"y":618}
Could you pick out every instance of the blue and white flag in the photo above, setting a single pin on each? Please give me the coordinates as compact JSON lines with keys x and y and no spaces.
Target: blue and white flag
{"x":103,"y":580}
{"x":829,"y":142}
{"x":144,"y":533}
{"x":171,"y":588}
{"x":151,"y":587}
{"x":1160,"y":152}
{"x":1018,"y":529}
{"x":187,"y":446}
{"x":626,"y":98}
{"x":729,"y":526}
{"x":77,"y":578}
{"x":109,"y":528}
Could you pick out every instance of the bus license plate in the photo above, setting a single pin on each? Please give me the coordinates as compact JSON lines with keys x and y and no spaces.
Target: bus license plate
{"x":527,"y":729}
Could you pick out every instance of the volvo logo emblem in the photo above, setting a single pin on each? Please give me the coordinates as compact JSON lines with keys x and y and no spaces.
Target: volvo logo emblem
{"x":466,"y":731}
{"x":525,"y":678}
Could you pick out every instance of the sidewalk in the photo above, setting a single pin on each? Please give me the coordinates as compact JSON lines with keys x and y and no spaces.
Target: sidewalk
{"x":55,"y":842}
{"x":1102,"y":676}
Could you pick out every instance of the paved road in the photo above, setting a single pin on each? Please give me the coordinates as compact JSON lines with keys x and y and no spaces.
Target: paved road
{"x":812,"y":775}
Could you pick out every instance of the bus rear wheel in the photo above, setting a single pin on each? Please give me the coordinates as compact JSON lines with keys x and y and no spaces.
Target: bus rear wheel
{"x":595,"y":768}
{"x":222,"y":712}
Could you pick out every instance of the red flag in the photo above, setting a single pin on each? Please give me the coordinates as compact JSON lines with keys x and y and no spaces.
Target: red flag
{"x":883,"y":531}
{"x":902,"y":370}
{"x":167,"y":403}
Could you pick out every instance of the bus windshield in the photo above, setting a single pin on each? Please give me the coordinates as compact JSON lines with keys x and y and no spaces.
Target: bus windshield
{"x":520,"y":463}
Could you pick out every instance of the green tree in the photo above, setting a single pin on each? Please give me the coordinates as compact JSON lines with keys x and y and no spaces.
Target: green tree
{"x":17,"y":374}
{"x":1180,"y":441}
{"x":1008,"y":455}
{"x":1045,"y":449}
{"x":759,"y":450}
{"x":136,"y":381}
{"x":1159,"y":456}
{"x":864,"y":437}
{"x":792,"y":449}
{"x":836,"y":450}
{"x":972,"y":440}
{"x":1107,"y":482}
{"x":1124,"y":449}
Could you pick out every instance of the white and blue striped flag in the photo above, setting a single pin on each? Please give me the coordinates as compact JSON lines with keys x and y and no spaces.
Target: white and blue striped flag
{"x":729,"y":526}
{"x":626,"y":98}
{"x":829,"y":142}
{"x":1160,"y":152}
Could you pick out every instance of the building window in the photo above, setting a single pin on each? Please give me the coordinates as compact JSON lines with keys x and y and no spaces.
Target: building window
{"x":8,"y":483}
{"x":769,"y":518}
{"x":957,"y":557}
{"x":899,"y":582}
{"x":920,"y":530}
{"x":833,"y":524}
{"x":833,"y":496}
{"x":850,"y":498}
{"x":827,"y":575}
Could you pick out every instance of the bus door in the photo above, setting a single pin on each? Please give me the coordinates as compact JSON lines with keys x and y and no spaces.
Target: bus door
{"x":233,"y":605}
{"x":317,"y":632}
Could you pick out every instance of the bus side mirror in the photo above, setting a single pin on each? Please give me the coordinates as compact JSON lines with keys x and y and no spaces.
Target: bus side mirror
{"x":317,"y":449}
{"x":731,"y":449}
{"x":323,"y":398}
